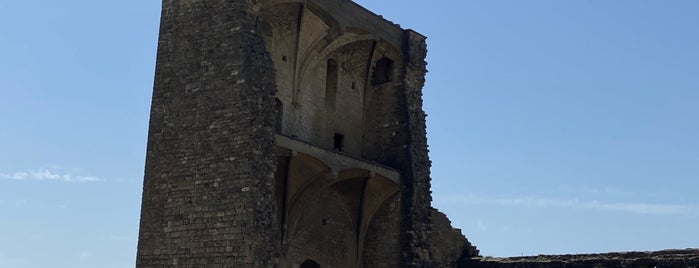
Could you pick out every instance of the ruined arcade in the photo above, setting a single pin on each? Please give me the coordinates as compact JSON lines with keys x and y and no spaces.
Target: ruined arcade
{"x":288,"y":134}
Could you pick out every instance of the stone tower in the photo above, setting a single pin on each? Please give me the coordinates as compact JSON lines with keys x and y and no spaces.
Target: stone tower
{"x":288,"y":133}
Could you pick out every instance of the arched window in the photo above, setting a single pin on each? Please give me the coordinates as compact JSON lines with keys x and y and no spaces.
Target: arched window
{"x":383,"y":71}
{"x":310,"y":264}
{"x":331,"y":85}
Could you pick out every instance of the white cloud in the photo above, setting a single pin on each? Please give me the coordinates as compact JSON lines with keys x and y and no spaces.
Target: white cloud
{"x":642,"y":208}
{"x":602,"y":191}
{"x":538,"y":202}
{"x":45,"y":174}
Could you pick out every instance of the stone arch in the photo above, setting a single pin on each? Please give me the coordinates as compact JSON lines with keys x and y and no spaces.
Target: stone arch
{"x":294,"y":175}
{"x":302,"y":37}
{"x":322,"y":53}
{"x":384,"y":229}
{"x":306,"y":174}
{"x":309,"y":264}
{"x":330,"y":199}
{"x":362,"y":191}
{"x":326,"y":16}
{"x":280,"y":27}
{"x":321,"y":227}
{"x":366,"y":191}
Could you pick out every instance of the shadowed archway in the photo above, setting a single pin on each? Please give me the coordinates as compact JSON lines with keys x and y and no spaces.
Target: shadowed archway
{"x":326,"y":200}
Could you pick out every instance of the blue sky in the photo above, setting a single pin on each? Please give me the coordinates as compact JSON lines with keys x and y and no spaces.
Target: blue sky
{"x":554,"y":126}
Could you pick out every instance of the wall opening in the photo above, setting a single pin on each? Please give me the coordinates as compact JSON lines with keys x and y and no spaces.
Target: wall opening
{"x":310,"y":264}
{"x":281,"y":184}
{"x":331,"y":80}
{"x":279,"y":113}
{"x":338,"y":141}
{"x":383,"y":71}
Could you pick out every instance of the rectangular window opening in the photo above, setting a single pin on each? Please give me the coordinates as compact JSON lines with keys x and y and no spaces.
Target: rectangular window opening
{"x":338,"y":142}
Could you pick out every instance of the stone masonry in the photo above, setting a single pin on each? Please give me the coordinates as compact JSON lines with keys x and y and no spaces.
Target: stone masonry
{"x":290,"y":133}
{"x":209,"y":178}
{"x":688,"y":258}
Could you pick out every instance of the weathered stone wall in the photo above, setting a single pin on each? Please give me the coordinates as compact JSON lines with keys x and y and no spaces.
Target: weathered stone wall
{"x":208,"y":187}
{"x":303,"y":38}
{"x":666,"y":259}
{"x":382,"y":121}
{"x":447,"y":244}
{"x":386,"y":135}
{"x":219,"y":189}
{"x":417,"y":196}
{"x":382,"y":245}
{"x":301,"y":94}
{"x":325,"y":233}
{"x":348,"y":114}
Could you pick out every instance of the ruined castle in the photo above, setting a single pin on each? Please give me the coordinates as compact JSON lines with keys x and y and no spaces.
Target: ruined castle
{"x":290,"y":133}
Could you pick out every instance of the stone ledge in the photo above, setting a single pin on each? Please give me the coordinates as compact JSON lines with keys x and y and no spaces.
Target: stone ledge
{"x":335,"y":159}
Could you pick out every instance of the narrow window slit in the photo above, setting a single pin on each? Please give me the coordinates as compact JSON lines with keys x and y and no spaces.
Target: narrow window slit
{"x":338,"y":142}
{"x":331,"y":85}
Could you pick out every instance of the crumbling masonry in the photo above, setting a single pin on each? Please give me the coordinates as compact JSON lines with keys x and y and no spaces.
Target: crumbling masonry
{"x":289,"y":133}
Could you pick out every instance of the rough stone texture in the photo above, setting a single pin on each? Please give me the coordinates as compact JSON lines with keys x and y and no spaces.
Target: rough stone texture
{"x":688,"y":258}
{"x":383,"y":250}
{"x":447,"y":244}
{"x":416,"y":192}
{"x":287,"y":132}
{"x":207,"y":195}
{"x":329,"y":230}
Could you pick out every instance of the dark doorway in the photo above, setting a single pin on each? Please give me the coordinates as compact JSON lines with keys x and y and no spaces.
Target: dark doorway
{"x":310,"y":264}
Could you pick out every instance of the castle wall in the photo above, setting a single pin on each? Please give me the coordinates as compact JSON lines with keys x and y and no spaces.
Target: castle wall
{"x":347,"y":116}
{"x":317,"y":105}
{"x":688,"y":258}
{"x":417,"y":196}
{"x":325,"y":232}
{"x":221,"y":190}
{"x":208,"y":187}
{"x":382,"y":247}
{"x":376,"y":73}
{"x":447,"y":244}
